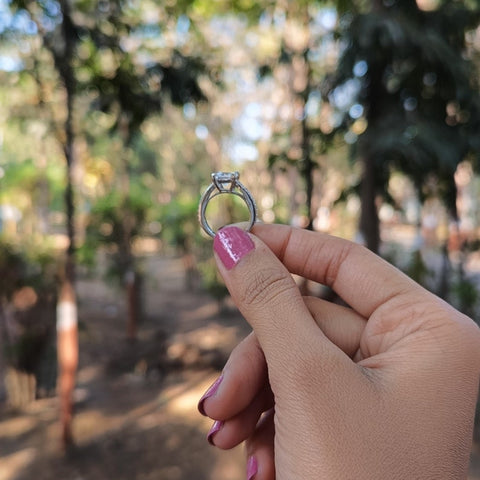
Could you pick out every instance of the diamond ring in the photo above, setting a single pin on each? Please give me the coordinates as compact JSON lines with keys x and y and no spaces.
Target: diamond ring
{"x":225,"y":182}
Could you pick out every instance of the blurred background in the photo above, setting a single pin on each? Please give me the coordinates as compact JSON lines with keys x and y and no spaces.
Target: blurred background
{"x":361,"y":119}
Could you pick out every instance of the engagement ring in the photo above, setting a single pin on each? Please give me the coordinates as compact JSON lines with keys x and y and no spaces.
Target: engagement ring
{"x":225,"y":182}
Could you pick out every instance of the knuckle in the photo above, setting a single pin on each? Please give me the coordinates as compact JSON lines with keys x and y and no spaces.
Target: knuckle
{"x":333,"y":267}
{"x":468,"y":334}
{"x":248,"y":360}
{"x":265,"y":286}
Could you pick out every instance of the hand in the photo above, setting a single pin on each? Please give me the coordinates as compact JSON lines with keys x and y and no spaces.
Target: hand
{"x":385,"y":389}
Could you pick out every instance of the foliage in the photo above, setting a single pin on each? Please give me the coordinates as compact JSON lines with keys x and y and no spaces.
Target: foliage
{"x":179,"y":222}
{"x":26,"y":266}
{"x":409,"y":91}
{"x":417,"y":269}
{"x":211,"y":280}
{"x":405,"y":88}
{"x":106,"y":227}
{"x":43,"y":184}
{"x":122,"y":83}
{"x":466,"y":296}
{"x":28,"y":284}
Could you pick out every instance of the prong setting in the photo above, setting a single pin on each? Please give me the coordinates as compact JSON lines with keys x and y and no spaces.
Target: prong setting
{"x":221,"y":179}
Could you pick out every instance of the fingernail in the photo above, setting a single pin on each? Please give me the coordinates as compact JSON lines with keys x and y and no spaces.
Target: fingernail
{"x":231,"y":244}
{"x":252,"y":467}
{"x":211,"y":391}
{"x":218,"y":424}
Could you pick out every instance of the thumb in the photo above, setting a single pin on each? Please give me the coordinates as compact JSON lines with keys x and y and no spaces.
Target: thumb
{"x":268,"y":298}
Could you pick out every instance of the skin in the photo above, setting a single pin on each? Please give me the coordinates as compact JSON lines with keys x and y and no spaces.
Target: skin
{"x":383,"y":389}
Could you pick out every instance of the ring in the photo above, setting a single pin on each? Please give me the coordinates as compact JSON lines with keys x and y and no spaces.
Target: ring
{"x":225,"y":182}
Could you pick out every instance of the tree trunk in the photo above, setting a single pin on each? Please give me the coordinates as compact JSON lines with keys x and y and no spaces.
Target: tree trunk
{"x":127,"y":258}
{"x":132,"y":310}
{"x":369,"y":222}
{"x":67,"y":319}
{"x":476,"y":430}
{"x":63,"y":53}
{"x":127,"y":262}
{"x":308,"y":165}
{"x":307,"y":170}
{"x":67,"y":355}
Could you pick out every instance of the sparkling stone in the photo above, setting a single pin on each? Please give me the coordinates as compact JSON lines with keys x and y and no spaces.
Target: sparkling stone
{"x":224,"y":177}
{"x":221,"y":179}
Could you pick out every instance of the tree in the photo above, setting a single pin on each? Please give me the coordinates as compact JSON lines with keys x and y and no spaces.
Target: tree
{"x":131,"y":91}
{"x":303,"y":39}
{"x":131,"y":86}
{"x":293,"y":42}
{"x":53,"y":22}
{"x":409,"y":101}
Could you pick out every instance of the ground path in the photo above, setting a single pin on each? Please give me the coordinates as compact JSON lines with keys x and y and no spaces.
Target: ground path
{"x":136,"y":415}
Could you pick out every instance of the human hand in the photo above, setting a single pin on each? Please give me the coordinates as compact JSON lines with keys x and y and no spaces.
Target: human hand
{"x":385,"y":389}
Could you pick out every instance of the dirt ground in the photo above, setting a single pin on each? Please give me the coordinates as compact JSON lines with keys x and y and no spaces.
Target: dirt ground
{"x":136,"y":416}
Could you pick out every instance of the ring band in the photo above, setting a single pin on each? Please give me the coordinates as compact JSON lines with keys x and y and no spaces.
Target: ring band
{"x":225,"y":182}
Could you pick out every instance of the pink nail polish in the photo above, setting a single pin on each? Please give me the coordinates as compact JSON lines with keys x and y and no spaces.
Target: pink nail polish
{"x":231,"y":244}
{"x":218,"y":424}
{"x":252,"y":467}
{"x":211,"y":391}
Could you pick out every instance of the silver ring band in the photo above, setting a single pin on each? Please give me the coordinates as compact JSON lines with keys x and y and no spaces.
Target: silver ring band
{"x":225,"y":182}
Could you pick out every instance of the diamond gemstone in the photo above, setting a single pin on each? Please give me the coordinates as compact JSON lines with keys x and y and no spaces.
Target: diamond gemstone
{"x":224,"y":177}
{"x":221,"y":179}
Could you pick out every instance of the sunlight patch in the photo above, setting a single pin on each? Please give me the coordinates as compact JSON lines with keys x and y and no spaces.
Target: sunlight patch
{"x":14,"y":464}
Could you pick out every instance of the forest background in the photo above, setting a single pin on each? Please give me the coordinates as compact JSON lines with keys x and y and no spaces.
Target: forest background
{"x":360,"y":119}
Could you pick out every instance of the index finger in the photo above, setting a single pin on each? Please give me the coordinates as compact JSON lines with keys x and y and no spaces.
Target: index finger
{"x":358,"y":276}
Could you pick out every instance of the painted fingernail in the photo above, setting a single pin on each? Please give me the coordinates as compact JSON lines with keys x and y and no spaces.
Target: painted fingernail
{"x":218,"y":424}
{"x":211,"y":391}
{"x":231,"y":244}
{"x":252,"y":468}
